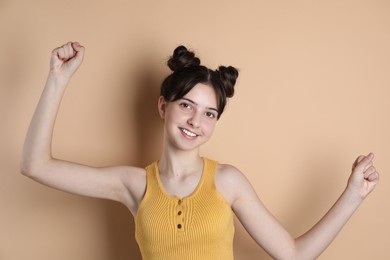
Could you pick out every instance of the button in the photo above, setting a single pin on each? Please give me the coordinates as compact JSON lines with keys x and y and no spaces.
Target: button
{"x":179,"y":202}
{"x":179,"y":213}
{"x":179,"y":226}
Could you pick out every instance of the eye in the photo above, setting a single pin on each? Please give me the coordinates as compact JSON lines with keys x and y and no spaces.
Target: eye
{"x":185,"y":106}
{"x":211,"y":115}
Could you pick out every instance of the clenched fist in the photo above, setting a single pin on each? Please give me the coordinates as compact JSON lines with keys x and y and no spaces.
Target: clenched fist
{"x":66,"y":59}
{"x":364,"y":175}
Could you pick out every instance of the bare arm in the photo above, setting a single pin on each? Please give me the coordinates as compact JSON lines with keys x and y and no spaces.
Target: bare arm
{"x":272,"y":236}
{"x":116,"y":183}
{"x":362,"y":181}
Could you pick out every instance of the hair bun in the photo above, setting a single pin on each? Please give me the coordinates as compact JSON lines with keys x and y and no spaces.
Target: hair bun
{"x":182,"y":58}
{"x":228,"y":76}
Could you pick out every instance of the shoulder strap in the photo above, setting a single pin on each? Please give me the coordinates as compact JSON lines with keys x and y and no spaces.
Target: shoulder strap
{"x":210,"y":169}
{"x":151,"y":178}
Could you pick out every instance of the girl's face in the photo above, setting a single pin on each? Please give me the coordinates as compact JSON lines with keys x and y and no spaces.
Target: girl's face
{"x":189,"y":122}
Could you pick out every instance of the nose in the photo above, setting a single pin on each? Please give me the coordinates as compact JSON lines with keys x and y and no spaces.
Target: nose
{"x":195,"y":120}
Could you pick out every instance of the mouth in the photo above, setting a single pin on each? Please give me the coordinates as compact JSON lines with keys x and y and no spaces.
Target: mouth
{"x":188,"y":133}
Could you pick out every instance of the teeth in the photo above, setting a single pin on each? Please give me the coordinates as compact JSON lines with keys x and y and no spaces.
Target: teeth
{"x":188,"y":132}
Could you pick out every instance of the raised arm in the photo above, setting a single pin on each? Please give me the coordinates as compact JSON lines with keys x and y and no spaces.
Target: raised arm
{"x":362,"y":181}
{"x":272,"y":236}
{"x":121,"y":183}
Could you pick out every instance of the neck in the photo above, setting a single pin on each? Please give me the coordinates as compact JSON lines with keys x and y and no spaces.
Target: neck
{"x":174,"y":163}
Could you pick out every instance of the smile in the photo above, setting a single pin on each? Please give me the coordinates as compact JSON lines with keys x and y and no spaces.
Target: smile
{"x":188,"y":133}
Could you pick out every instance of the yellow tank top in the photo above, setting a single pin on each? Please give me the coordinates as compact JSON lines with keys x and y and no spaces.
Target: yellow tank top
{"x":197,"y":227}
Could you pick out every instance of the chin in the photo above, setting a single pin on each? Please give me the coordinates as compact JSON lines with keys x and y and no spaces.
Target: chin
{"x":189,"y":146}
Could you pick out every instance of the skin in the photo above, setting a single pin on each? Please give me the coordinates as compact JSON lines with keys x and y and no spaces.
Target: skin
{"x":188,"y":123}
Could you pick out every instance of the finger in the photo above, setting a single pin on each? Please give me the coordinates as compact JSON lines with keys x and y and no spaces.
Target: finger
{"x":62,"y":52}
{"x":362,"y":165}
{"x":372,"y":177}
{"x":55,"y":52}
{"x":79,"y":49}
{"x":358,"y":159}
{"x":66,"y":52}
{"x":370,"y":164}
{"x":369,"y":171}
{"x":76,"y":46}
{"x":69,"y":51}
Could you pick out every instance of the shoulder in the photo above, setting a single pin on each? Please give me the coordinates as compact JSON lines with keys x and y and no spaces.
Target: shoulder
{"x":134,"y":172}
{"x":227,"y":172}
{"x":231,"y":182}
{"x":230,"y":174}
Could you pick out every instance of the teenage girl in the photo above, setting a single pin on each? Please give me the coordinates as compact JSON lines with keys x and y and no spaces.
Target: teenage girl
{"x":183,"y":204}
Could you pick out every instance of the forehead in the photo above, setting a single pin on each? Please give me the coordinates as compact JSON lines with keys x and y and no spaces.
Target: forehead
{"x":203,"y":95}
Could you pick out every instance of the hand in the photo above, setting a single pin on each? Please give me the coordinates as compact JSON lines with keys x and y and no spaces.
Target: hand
{"x":364,"y":176}
{"x":66,"y":59}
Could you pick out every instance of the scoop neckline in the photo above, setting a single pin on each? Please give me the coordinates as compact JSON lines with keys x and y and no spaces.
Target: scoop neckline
{"x":176,"y":197}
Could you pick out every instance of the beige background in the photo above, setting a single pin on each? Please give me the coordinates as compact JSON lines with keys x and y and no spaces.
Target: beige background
{"x":312,"y":95}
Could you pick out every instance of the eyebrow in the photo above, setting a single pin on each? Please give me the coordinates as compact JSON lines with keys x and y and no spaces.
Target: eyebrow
{"x":193,"y":102}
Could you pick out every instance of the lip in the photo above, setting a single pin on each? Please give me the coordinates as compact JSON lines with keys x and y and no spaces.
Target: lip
{"x":188,"y":134}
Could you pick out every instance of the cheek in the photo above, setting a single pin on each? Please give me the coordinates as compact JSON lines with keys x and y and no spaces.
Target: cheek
{"x":209,"y":127}
{"x":172,"y":114}
{"x":174,"y":118}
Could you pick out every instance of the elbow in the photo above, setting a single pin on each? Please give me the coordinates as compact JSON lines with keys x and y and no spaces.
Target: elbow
{"x":30,"y":168}
{"x":298,"y":252}
{"x":26,"y":164}
{"x":25,"y":168}
{"x":33,"y":161}
{"x":292,"y":255}
{"x":291,"y":251}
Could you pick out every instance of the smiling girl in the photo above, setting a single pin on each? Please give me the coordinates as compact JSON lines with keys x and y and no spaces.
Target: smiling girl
{"x":183,"y":204}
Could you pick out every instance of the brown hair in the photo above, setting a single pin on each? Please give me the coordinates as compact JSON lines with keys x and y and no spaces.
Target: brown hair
{"x":187,"y":72}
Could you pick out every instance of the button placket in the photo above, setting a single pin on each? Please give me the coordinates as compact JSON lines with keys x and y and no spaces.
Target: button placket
{"x":179,"y":215}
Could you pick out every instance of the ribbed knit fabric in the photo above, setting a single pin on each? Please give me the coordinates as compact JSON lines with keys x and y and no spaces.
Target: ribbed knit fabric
{"x":197,"y":227}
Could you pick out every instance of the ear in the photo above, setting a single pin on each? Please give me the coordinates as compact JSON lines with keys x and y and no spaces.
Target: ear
{"x":162,"y":105}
